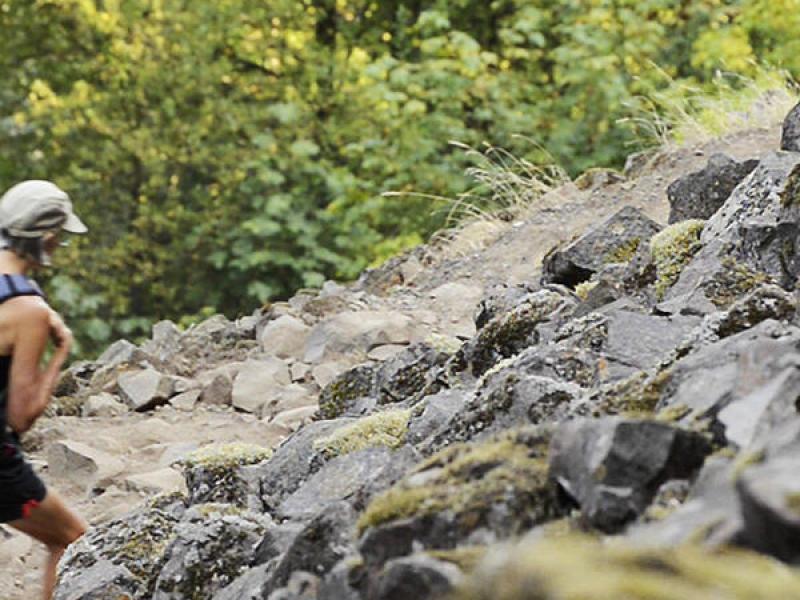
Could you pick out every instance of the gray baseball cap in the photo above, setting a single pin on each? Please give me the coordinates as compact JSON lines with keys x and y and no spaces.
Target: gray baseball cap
{"x":34,"y":207}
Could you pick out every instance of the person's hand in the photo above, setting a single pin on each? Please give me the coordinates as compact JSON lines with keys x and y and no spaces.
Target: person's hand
{"x":59,"y":332}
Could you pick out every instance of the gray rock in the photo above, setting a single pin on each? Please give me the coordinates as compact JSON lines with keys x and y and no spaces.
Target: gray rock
{"x":135,"y":544}
{"x":408,"y":373}
{"x":122,"y":351}
{"x":510,"y":333}
{"x":102,"y":580}
{"x":700,"y":194}
{"x":289,"y":397}
{"x":186,"y":401}
{"x":285,"y":337}
{"x":749,"y":241}
{"x":251,"y":585}
{"x":292,"y":463}
{"x":342,"y":394}
{"x":322,"y":543}
{"x":276,"y":541}
{"x":750,"y":420}
{"x":81,"y":464}
{"x":418,"y":576}
{"x":356,"y":333}
{"x":301,"y":586}
{"x":501,"y":299}
{"x":710,"y":515}
{"x":434,"y":413}
{"x":609,"y":242}
{"x":504,"y":400}
{"x":790,"y":135}
{"x":340,"y":583}
{"x":211,"y":548}
{"x":723,"y":372}
{"x":353,"y":477}
{"x":165,"y":340}
{"x":613,"y":467}
{"x":258,"y":383}
{"x":770,"y":495}
{"x":218,"y":391}
{"x":103,"y":405}
{"x":144,"y":390}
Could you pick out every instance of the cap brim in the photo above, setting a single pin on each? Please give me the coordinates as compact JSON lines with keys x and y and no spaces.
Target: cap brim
{"x":74,"y":225}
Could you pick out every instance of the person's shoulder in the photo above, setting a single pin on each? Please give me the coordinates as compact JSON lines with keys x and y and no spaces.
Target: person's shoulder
{"x":27,"y":309}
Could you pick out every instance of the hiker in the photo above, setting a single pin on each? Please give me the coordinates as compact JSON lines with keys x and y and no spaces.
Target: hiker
{"x":32,"y":216}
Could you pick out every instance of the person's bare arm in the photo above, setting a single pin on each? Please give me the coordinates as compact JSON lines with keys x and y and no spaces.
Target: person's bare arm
{"x":31,"y":386}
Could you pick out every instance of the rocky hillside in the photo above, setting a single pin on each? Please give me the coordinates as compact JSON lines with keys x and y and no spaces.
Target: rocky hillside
{"x":599,"y":402}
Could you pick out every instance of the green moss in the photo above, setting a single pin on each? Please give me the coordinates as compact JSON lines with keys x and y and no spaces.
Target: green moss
{"x":578,"y":568}
{"x":624,"y":252}
{"x":225,"y":457}
{"x":582,"y":289}
{"x":144,"y":545}
{"x":468,"y":479}
{"x":672,"y":249}
{"x":386,"y":428}
{"x":732,"y":282}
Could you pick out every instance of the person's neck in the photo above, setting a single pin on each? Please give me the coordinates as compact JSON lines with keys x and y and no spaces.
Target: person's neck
{"x":13,"y":264}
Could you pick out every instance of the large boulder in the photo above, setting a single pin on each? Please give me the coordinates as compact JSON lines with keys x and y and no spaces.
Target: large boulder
{"x":120,"y":558}
{"x":219,"y":473}
{"x":509,"y":333}
{"x":285,"y":337}
{"x":614,"y":240}
{"x":480,"y":492}
{"x":613,"y":467}
{"x":752,"y":239}
{"x":700,"y":194}
{"x":212,"y":546}
{"x":354,"y":477}
{"x":144,"y":390}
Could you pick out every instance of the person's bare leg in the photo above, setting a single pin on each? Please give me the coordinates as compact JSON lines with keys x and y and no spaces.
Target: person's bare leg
{"x":54,"y":524}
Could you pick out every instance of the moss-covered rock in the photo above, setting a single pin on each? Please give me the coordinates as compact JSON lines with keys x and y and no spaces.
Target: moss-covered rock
{"x":501,"y":484}
{"x":578,"y":568}
{"x":212,"y":546}
{"x":510,"y":333}
{"x":732,"y":281}
{"x":137,"y":542}
{"x":386,"y":428}
{"x":672,"y":249}
{"x":339,"y":395}
{"x":214,"y":473}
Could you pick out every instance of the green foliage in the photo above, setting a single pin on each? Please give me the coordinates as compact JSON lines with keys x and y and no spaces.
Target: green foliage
{"x":226,"y":153}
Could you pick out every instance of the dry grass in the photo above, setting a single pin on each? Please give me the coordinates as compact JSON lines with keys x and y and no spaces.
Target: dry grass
{"x":507,"y":188}
{"x":686,"y":115}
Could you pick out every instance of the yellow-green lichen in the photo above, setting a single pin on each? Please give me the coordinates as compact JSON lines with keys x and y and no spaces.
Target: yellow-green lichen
{"x":386,"y":428}
{"x":468,"y":479}
{"x":66,"y":406}
{"x":674,"y":413}
{"x":672,"y":249}
{"x":793,"y":502}
{"x":624,"y":252}
{"x":636,"y":396}
{"x":733,"y":281}
{"x":226,"y":456}
{"x":582,"y":289}
{"x":465,"y":558}
{"x":578,"y":568}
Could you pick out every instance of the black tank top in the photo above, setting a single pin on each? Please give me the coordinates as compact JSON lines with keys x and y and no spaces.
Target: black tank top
{"x":11,"y":286}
